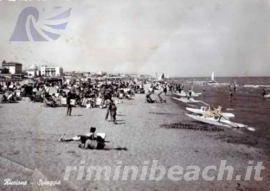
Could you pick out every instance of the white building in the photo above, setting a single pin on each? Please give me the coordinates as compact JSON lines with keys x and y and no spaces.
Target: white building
{"x":51,"y":71}
{"x":33,"y":71}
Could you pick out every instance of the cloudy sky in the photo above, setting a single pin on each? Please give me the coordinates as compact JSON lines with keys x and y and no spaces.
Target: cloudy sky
{"x":177,"y":37}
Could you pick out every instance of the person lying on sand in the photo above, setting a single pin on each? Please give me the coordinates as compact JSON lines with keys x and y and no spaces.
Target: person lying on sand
{"x":92,"y":141}
{"x":91,"y":135}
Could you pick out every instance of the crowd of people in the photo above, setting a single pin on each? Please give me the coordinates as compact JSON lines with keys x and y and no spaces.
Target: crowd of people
{"x":80,"y":93}
{"x":162,"y":88}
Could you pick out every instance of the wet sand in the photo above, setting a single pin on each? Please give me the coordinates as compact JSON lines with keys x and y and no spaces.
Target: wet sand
{"x":30,"y":149}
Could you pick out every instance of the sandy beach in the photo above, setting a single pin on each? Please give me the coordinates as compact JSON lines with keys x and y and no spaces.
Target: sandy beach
{"x":30,"y":149}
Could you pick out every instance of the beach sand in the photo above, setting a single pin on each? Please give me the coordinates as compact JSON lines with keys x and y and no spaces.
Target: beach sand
{"x":30,"y":149}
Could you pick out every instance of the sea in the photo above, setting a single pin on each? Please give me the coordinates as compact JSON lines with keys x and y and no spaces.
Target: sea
{"x":248,"y":105}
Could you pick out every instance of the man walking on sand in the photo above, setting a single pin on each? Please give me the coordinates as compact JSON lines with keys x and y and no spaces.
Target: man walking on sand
{"x":69,"y":106}
{"x":108,"y":108}
{"x":112,"y":110}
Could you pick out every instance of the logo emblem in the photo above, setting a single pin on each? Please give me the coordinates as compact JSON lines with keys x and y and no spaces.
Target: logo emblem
{"x":33,"y":25}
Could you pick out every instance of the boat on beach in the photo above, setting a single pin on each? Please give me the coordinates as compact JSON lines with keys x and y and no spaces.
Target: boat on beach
{"x":186,"y":100}
{"x":219,"y":121}
{"x":186,"y":94}
{"x":203,"y":109}
{"x":256,"y":86}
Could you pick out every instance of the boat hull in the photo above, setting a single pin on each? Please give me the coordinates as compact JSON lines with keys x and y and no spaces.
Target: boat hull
{"x":200,"y":111}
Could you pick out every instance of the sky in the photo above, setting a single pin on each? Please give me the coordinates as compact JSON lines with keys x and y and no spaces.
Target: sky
{"x":185,"y":38}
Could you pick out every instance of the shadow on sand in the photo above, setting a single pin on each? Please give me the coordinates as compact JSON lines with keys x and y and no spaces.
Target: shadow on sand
{"x":116,"y":148}
{"x":79,"y":115}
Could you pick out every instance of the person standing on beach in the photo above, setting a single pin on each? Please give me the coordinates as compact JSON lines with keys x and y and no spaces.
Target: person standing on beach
{"x":69,"y":106}
{"x":203,"y":92}
{"x":148,"y":98}
{"x":165,"y":89}
{"x":231,"y":95}
{"x":263,"y":93}
{"x":159,"y":96}
{"x":109,"y":101}
{"x":113,"y":110}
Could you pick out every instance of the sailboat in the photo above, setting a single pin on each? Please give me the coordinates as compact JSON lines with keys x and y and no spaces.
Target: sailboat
{"x":212,"y":81}
{"x":161,"y":78}
{"x":213,"y":76}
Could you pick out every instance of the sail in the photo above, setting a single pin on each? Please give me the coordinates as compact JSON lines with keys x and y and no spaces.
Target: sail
{"x":213,"y":76}
{"x":162,"y":77}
